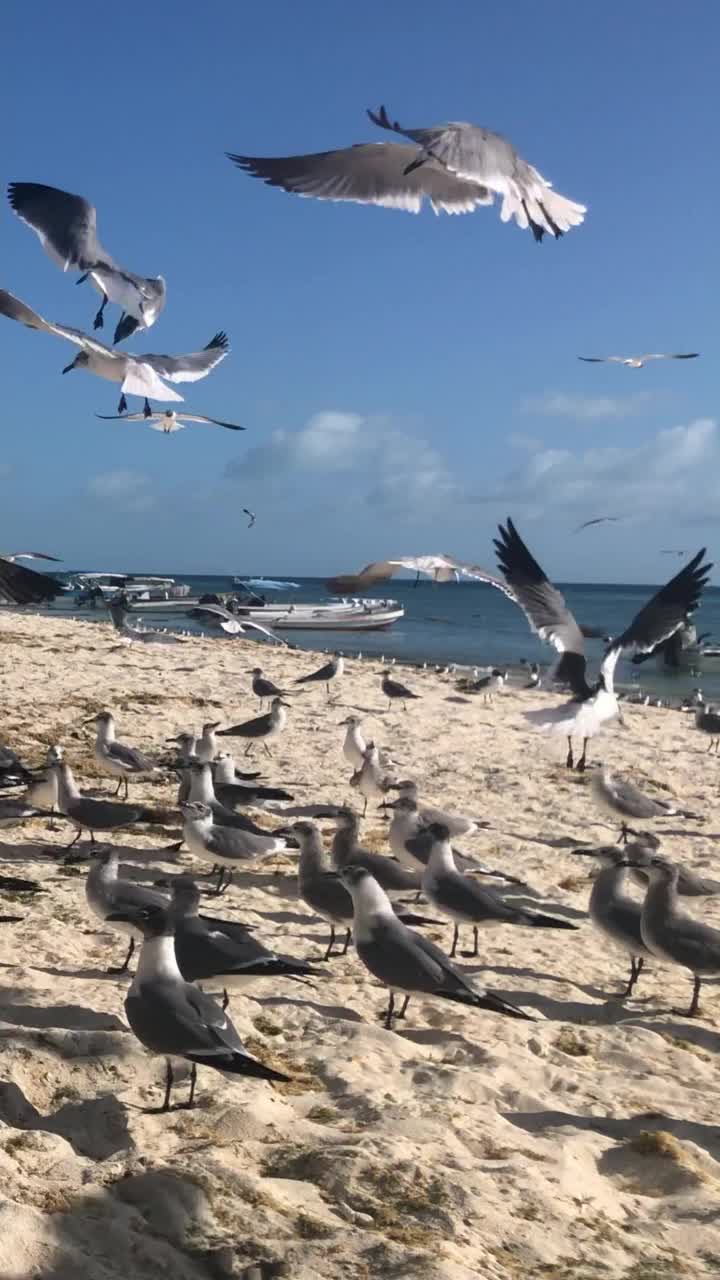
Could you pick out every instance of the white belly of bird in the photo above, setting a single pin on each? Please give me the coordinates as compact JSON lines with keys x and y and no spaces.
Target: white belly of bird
{"x":577,"y":719}
{"x":111,"y":766}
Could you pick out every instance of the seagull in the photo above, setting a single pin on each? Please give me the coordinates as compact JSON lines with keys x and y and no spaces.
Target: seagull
{"x":456,"y":166}
{"x":232,"y":627}
{"x":707,"y":720}
{"x":618,"y":796}
{"x":638,"y":362}
{"x":175,"y":1018}
{"x":325,"y":675}
{"x":116,"y":758}
{"x":264,"y":688}
{"x":591,"y":706}
{"x":250,"y":514}
{"x":168,"y":420}
{"x":598,"y":520}
{"x":133,"y":633}
{"x":89,"y":814}
{"x":137,"y":375}
{"x":394,"y":690}
{"x":671,"y":934}
{"x":346,"y":850}
{"x":29,"y":555}
{"x":66,"y":225}
{"x":43,"y":787}
{"x":261,"y":727}
{"x":674,"y":552}
{"x":441,"y":568}
{"x":404,"y":960}
{"x":106,"y":891}
{"x":613,"y":913}
{"x":224,"y":847}
{"x":354,"y":745}
{"x":21,"y":585}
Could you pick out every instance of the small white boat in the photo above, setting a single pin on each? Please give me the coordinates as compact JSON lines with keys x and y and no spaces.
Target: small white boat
{"x":343,"y":615}
{"x":145,"y":588}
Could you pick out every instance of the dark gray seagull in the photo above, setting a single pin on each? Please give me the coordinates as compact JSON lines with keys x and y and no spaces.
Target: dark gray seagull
{"x":395,"y":691}
{"x":591,"y":706}
{"x":250,"y":515}
{"x":20,"y":585}
{"x":66,"y":225}
{"x":261,"y":727}
{"x":618,"y":796}
{"x":176,"y":1019}
{"x":456,"y":166}
{"x":137,"y":375}
{"x":168,"y":421}
{"x":331,"y":671}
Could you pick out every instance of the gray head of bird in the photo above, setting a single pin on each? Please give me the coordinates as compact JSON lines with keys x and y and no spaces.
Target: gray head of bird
{"x":302,"y":830}
{"x":438,"y":832}
{"x":660,"y":870}
{"x":105,"y":854}
{"x":346,"y":818}
{"x":255,"y":671}
{"x":151,"y":921}
{"x":184,"y":890}
{"x":54,"y":755}
{"x":353,"y":722}
{"x":101,"y":718}
{"x":353,"y":876}
{"x":81,"y":361}
{"x":193,"y":810}
{"x":278,"y":702}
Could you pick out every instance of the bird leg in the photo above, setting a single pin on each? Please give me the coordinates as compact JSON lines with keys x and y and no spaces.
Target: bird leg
{"x":98,"y":322}
{"x":52,"y":824}
{"x":474,"y":951}
{"x":72,"y":843}
{"x":147,"y":411}
{"x":168,"y":1090}
{"x":122,"y":404}
{"x":331,"y":943}
{"x":187,"y":1106}
{"x":402,"y":1012}
{"x":624,"y":832}
{"x":580,"y":766}
{"x":225,"y":999}
{"x":267,"y":750}
{"x":456,"y":935}
{"x":636,"y":965}
{"x":348,"y":936}
{"x":123,"y":967}
{"x":695,"y":1002}
{"x":364,"y":806}
{"x":248,"y":748}
{"x":569,"y":759}
{"x":388,"y":1014}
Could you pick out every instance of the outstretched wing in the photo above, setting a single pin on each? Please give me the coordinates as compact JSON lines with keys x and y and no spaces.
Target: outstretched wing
{"x":664,"y":614}
{"x":191,"y":367}
{"x":25,"y":586}
{"x":14,"y":309}
{"x":368,"y":173}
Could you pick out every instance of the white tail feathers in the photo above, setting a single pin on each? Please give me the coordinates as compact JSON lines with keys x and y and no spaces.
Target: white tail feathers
{"x":539,"y":205}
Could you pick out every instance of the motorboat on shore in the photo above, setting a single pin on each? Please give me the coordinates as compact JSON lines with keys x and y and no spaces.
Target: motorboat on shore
{"x":337,"y":615}
{"x":146,"y":588}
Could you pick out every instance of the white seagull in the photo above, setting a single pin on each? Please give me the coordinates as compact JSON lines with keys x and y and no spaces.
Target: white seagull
{"x":137,"y":375}
{"x":456,"y":166}
{"x":168,"y":420}
{"x":638,"y":362}
{"x":591,"y":706}
{"x":66,"y":225}
{"x":440,"y":567}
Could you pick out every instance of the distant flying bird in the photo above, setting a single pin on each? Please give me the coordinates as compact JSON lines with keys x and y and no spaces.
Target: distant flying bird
{"x":598,"y":520}
{"x":137,"y":375}
{"x":67,"y":228}
{"x":251,"y":517}
{"x":456,"y":166}
{"x":673,"y":552}
{"x":168,"y":420}
{"x":637,"y":362}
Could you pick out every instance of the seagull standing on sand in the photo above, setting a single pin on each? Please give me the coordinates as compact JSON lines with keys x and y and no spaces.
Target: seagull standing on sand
{"x":232,"y":793}
{"x":43,"y":788}
{"x":405,"y":961}
{"x":175,"y":1018}
{"x":672,"y":935}
{"x":614,"y":914}
{"x":66,"y":225}
{"x":225,"y":847}
{"x":456,"y":166}
{"x":116,"y":758}
{"x":707,"y":720}
{"x":202,"y":791}
{"x":617,"y":796}
{"x":354,"y":746}
{"x":264,"y":688}
{"x":347,"y":850}
{"x":639,"y":362}
{"x":395,"y":691}
{"x":465,"y":902}
{"x":371,"y":779}
{"x":262,"y":728}
{"x":207,"y":745}
{"x":137,"y":375}
{"x":326,"y":675}
{"x":106,"y":892}
{"x":89,"y":814}
{"x":591,"y":706}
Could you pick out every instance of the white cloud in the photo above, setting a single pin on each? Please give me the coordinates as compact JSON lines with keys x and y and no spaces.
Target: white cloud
{"x":125,"y":489}
{"x":381,"y":463}
{"x":676,"y":474}
{"x":558,"y":404}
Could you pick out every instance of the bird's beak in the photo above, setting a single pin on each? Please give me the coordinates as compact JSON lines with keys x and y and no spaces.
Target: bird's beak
{"x":582,"y":853}
{"x":90,"y":721}
{"x":68,"y":367}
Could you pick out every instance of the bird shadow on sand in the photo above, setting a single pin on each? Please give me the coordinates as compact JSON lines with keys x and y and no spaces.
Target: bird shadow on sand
{"x":94,"y":1127}
{"x":537,"y":1122}
{"x":66,"y":1017}
{"x":611,"y":1012}
{"x":596,"y":993}
{"x":337,"y":1011}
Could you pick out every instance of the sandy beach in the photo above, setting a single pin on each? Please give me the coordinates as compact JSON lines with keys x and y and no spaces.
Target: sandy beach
{"x":584,"y":1144}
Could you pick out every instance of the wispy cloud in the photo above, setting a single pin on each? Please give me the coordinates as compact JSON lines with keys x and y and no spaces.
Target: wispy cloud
{"x":558,"y":404}
{"x":126,"y":490}
{"x":676,"y":474}
{"x":375,"y":460}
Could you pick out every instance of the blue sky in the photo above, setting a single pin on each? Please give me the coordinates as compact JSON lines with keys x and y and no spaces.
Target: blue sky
{"x":405,"y":381}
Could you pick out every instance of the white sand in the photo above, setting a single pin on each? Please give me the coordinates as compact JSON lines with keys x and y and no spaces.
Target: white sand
{"x":467,"y":1145}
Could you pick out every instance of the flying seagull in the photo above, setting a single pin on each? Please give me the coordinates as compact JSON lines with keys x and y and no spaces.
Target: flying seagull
{"x":25,"y":586}
{"x":66,"y":225}
{"x":591,"y":706}
{"x":673,"y":552}
{"x":137,"y":375}
{"x":232,"y":626}
{"x":251,"y":517}
{"x":598,"y":520}
{"x":168,"y":420}
{"x":456,"y":166}
{"x":440,"y":567}
{"x":638,"y":362}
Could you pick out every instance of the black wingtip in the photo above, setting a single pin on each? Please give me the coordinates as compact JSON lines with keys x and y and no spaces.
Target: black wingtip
{"x":219,"y":340}
{"x":125,"y":326}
